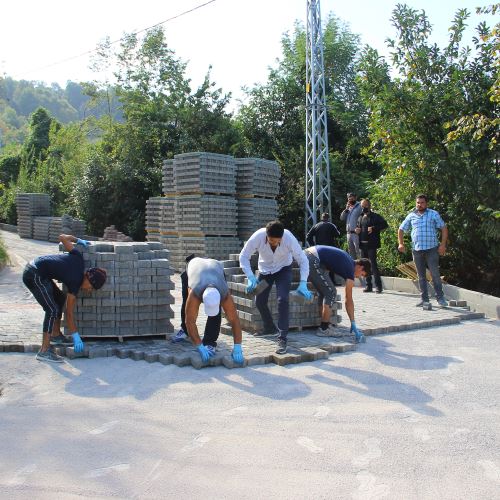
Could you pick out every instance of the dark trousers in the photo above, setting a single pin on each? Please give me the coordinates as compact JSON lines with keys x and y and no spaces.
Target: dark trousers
{"x":428,"y":259}
{"x":47,"y":294}
{"x":283,"y":280}
{"x":212,"y":326}
{"x":371,"y":255}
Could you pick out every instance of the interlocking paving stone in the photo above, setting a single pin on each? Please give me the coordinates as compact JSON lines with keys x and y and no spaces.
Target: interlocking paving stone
{"x":387,"y":313}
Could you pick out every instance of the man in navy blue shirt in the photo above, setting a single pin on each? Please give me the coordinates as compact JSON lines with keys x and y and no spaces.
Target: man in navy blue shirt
{"x":67,"y":268}
{"x":324,"y":259}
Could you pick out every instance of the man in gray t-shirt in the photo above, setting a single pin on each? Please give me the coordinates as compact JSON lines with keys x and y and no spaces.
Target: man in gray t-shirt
{"x":204,"y":281}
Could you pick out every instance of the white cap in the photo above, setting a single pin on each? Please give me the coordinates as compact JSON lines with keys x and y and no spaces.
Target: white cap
{"x":211,"y":301}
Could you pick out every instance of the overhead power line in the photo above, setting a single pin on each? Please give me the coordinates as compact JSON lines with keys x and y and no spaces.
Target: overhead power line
{"x":88,"y":52}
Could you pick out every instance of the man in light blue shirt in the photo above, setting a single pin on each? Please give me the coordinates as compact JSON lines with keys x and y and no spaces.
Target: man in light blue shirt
{"x":424,"y":224}
{"x":277,"y":247}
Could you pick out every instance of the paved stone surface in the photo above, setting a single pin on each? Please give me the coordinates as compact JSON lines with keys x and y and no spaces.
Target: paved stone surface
{"x":375,"y":314}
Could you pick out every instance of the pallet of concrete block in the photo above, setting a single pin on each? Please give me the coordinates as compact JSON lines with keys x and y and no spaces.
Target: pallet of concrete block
{"x":41,"y":227}
{"x":258,"y":177}
{"x":208,"y":214}
{"x":112,"y":234}
{"x":303,"y":315}
{"x":29,"y":205}
{"x":78,"y":227}
{"x":174,"y":245}
{"x":58,"y":226}
{"x":153,"y":218}
{"x":254,"y":213}
{"x":137,"y":296}
{"x":204,"y":173}
{"x":168,"y":177}
{"x":160,"y":216}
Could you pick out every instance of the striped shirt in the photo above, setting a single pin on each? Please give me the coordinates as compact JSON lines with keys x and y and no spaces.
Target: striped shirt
{"x":423,"y":228}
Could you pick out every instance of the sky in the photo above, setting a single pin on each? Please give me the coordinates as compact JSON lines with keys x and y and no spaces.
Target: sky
{"x":241,"y":39}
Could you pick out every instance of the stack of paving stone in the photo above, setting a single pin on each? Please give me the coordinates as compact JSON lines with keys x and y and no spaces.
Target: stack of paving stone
{"x":168,"y":177}
{"x":198,"y":212}
{"x":303,"y":315}
{"x":112,"y":234}
{"x":29,"y":205}
{"x":160,"y":217}
{"x":257,"y":184}
{"x":41,"y":227}
{"x":136,"y":298}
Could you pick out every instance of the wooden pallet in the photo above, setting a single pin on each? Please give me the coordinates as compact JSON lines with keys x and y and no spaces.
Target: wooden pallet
{"x":409,"y":270}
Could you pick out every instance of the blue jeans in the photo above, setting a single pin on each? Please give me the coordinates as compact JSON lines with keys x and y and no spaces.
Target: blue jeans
{"x":283,"y":280}
{"x":428,"y":259}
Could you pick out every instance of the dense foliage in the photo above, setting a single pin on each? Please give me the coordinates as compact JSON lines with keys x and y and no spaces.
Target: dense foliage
{"x":414,"y":119}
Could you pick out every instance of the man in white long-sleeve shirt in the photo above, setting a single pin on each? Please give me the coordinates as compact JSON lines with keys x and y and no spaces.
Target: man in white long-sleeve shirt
{"x":277,"y":248}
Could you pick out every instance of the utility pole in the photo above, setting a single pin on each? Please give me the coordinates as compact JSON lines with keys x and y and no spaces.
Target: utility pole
{"x":317,"y":163}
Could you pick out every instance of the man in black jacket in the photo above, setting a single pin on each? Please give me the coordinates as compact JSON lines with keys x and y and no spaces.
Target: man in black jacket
{"x":323,"y":233}
{"x":368,"y":228}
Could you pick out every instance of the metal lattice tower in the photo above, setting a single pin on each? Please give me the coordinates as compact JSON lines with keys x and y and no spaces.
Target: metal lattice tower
{"x":317,"y":164}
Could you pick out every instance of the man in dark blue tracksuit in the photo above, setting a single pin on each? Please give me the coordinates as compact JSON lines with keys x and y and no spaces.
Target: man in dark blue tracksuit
{"x":68,"y":268}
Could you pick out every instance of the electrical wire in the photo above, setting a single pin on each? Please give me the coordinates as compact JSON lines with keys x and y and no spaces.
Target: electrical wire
{"x":88,"y":52}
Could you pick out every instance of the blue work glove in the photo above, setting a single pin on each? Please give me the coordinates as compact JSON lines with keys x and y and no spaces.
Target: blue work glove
{"x":252,"y":283}
{"x":77,"y":342}
{"x":204,"y":353}
{"x":237,"y":354}
{"x":302,"y":289}
{"x":358,"y":336}
{"x":85,"y":243}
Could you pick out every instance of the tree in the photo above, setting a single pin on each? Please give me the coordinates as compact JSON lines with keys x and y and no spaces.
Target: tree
{"x":410,"y":116}
{"x":272,"y":122}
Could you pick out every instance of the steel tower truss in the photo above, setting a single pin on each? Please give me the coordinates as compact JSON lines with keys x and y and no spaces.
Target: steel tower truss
{"x":317,"y":164}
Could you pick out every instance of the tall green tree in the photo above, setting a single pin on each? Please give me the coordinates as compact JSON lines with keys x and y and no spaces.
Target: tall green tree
{"x":410,"y":118}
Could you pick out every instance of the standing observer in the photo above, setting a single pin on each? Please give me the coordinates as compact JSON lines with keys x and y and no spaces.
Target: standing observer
{"x":369,"y":226}
{"x":350,"y":216}
{"x":423,"y":222}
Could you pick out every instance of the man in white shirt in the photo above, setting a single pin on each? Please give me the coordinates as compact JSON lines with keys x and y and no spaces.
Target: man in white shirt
{"x":277,"y":247}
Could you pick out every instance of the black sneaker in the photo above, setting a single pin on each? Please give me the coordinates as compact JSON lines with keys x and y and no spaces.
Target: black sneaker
{"x":281,"y":349}
{"x":368,"y":289}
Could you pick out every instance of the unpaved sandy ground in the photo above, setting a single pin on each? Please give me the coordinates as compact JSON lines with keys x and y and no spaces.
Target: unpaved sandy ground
{"x":413,"y":415}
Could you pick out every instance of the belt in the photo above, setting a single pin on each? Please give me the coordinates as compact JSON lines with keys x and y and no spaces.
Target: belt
{"x":352,"y":232}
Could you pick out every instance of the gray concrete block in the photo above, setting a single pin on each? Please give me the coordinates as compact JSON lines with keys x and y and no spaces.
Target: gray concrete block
{"x":228,"y":362}
{"x":151,"y":357}
{"x":182,"y":358}
{"x":166,"y":358}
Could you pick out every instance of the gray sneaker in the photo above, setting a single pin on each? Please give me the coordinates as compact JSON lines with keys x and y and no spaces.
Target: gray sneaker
{"x":442,"y":302}
{"x":50,"y":356}
{"x":419,"y":304}
{"x":281,"y":349}
{"x":329,"y":332}
{"x":61,"y":340}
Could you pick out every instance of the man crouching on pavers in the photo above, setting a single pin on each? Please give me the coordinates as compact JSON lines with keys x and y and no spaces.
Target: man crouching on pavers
{"x":68,"y":268}
{"x":204,"y":281}
{"x":324,"y":259}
